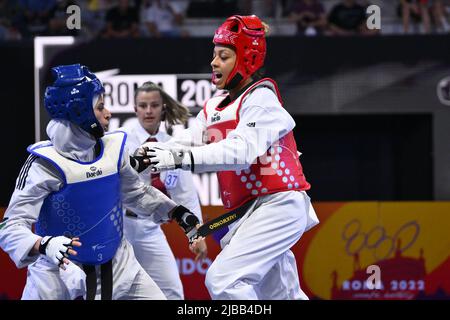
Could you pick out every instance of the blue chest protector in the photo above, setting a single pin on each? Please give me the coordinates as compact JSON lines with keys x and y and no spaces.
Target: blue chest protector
{"x":89,"y":204}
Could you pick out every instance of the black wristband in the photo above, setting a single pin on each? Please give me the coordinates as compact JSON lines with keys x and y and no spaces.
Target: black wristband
{"x":192,"y":161}
{"x":43,"y":245}
{"x":191,"y":219}
{"x":177,"y":214}
{"x":186,"y":219}
{"x":137,"y":163}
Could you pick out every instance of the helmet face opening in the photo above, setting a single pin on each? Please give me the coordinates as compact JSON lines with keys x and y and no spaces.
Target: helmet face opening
{"x":246,"y":35}
{"x":71,"y":97}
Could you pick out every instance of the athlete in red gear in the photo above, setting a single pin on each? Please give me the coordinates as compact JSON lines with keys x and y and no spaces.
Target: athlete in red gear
{"x":251,"y":146}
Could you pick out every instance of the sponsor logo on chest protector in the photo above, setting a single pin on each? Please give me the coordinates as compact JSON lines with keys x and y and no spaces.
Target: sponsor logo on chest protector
{"x":215,"y":117}
{"x":94,"y":172}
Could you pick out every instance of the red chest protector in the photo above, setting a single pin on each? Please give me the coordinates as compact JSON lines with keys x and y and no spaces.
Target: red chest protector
{"x":278,"y":170}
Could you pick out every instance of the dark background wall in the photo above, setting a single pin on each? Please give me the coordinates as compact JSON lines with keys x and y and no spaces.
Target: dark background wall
{"x":367,"y":157}
{"x":17,"y":110}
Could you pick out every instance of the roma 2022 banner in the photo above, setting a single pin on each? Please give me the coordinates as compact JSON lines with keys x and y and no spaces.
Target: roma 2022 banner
{"x":407,"y":242}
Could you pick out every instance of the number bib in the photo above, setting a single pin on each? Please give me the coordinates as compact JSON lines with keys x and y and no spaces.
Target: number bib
{"x":171,"y":179}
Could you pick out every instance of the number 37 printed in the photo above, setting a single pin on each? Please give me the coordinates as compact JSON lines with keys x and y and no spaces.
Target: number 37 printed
{"x":171,"y":180}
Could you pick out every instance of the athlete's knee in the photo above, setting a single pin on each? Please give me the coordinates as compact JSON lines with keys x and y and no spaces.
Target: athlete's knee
{"x":210,"y":278}
{"x":30,"y":292}
{"x":230,"y":290}
{"x":215,"y":281}
{"x":223,"y":284}
{"x":175,"y":293}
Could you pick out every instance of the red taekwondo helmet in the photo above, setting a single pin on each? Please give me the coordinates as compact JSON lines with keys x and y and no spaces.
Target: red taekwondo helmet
{"x":246,"y":35}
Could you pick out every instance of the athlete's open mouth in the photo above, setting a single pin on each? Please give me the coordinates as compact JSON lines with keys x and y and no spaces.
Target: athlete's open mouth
{"x":216,"y":76}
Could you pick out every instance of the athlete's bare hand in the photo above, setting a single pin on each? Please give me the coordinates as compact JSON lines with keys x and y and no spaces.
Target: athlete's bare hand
{"x":199,"y":247}
{"x":71,"y":252}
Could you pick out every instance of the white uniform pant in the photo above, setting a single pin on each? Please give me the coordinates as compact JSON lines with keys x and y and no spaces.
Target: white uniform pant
{"x":45,"y":281}
{"x":256,"y":261}
{"x":154,"y":254}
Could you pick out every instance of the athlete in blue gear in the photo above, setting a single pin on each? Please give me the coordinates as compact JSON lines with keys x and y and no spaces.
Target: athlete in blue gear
{"x":72,"y":188}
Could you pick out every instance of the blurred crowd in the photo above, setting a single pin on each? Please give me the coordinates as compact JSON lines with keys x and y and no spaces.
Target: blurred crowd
{"x":21,"y":19}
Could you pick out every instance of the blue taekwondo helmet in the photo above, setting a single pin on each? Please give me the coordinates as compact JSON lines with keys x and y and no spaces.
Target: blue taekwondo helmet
{"x":71,"y":97}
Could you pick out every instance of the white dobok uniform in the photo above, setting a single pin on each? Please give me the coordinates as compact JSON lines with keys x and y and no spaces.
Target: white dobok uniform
{"x":256,"y":261}
{"x":149,"y":242}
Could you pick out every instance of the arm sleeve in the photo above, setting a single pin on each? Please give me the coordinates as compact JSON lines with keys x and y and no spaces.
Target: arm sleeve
{"x":141,"y":198}
{"x":262,"y":122}
{"x":185,"y":193}
{"x":36,"y":181}
{"x":193,"y":136}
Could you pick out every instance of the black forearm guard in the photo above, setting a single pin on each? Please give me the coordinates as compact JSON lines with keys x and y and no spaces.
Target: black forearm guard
{"x":186,"y":219}
{"x":137,"y":162}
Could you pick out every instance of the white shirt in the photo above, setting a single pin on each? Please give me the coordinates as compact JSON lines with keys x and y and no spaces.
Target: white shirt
{"x":179,"y":183}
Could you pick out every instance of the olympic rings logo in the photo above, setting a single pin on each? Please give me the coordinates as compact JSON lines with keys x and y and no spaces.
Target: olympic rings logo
{"x":376,"y":239}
